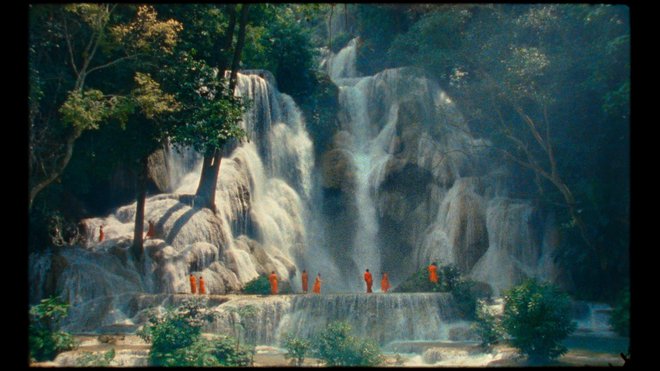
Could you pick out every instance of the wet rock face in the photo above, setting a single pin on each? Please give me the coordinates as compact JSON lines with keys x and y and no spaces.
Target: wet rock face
{"x":337,"y":170}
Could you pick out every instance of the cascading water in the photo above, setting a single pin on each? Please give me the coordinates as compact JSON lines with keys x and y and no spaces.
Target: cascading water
{"x":426,"y":189}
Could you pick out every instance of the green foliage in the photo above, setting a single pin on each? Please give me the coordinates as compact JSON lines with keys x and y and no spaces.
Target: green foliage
{"x":45,"y":339}
{"x":487,"y":327}
{"x":537,"y":317}
{"x":280,"y":44}
{"x":85,"y":110}
{"x":258,"y":286}
{"x":337,"y":347}
{"x":620,"y":319}
{"x":173,"y":331}
{"x":209,"y":115}
{"x":296,"y":349}
{"x":228,"y":354}
{"x":320,"y":108}
{"x":90,"y":359}
{"x":176,"y":340}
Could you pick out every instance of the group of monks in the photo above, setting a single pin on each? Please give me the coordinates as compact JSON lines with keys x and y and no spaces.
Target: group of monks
{"x":305,"y":283}
{"x":368,"y":279}
{"x":193,"y":286}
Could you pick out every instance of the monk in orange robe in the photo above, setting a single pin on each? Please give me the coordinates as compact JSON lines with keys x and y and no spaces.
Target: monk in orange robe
{"x":101,"y":234}
{"x":369,"y":280}
{"x":151,"y":231}
{"x":304,"y":281}
{"x":273,"y":283}
{"x":433,"y":273}
{"x":193,"y":285}
{"x":202,"y":288}
{"x":384,"y":283}
{"x":317,"y":284}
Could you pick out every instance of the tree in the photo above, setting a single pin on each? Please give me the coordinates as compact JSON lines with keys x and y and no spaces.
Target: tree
{"x":537,"y":316}
{"x":210,"y":114}
{"x":45,"y":338}
{"x":154,"y":41}
{"x":67,"y":45}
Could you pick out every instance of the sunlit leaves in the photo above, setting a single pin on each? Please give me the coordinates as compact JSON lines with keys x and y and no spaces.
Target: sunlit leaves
{"x":150,"y":97}
{"x":96,"y":16}
{"x":146,"y":34}
{"x":86,"y":109}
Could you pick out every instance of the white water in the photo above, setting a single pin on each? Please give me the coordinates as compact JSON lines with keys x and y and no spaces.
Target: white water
{"x":466,"y":218}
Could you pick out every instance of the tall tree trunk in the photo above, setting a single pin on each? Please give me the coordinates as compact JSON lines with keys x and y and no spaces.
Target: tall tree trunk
{"x":38,"y":186}
{"x":211,"y":165}
{"x":141,"y":194}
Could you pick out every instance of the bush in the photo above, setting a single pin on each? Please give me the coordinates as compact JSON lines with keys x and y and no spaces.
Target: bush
{"x":176,"y":339}
{"x":337,"y":347}
{"x":229,"y":354}
{"x":296,"y":349}
{"x":538,"y":317}
{"x":620,"y":319}
{"x":45,"y":339}
{"x":258,"y":286}
{"x":487,"y":327}
{"x":90,"y":359}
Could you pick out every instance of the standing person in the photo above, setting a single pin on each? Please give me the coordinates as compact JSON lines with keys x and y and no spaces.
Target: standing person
{"x":151,"y":231}
{"x":273,"y":283}
{"x":101,"y":234}
{"x":369,"y":280}
{"x":304,"y":281}
{"x":317,"y":284}
{"x":433,"y":273}
{"x":384,"y":283}
{"x":193,"y":284}
{"x":202,"y":288}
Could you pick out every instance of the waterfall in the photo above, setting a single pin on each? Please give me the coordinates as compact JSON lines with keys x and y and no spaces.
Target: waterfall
{"x":380,"y":317}
{"x":419,"y":170}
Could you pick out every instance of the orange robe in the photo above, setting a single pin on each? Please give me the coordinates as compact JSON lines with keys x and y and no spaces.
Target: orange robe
{"x":193,"y":285}
{"x":304,"y":282}
{"x":151,"y":232}
{"x":317,"y":286}
{"x":384,"y":283}
{"x":369,"y":280}
{"x":202,"y":288}
{"x":433,"y":273}
{"x":273,"y":283}
{"x":101,"y":234}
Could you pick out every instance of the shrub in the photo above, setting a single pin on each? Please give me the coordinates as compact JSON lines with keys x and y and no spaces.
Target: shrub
{"x":337,"y":347}
{"x":620,"y":319}
{"x":258,"y":286}
{"x":487,"y":326}
{"x":296,"y":349}
{"x":176,"y":339}
{"x":45,"y":339}
{"x":90,"y":359}
{"x":229,"y":354}
{"x":537,"y":317}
